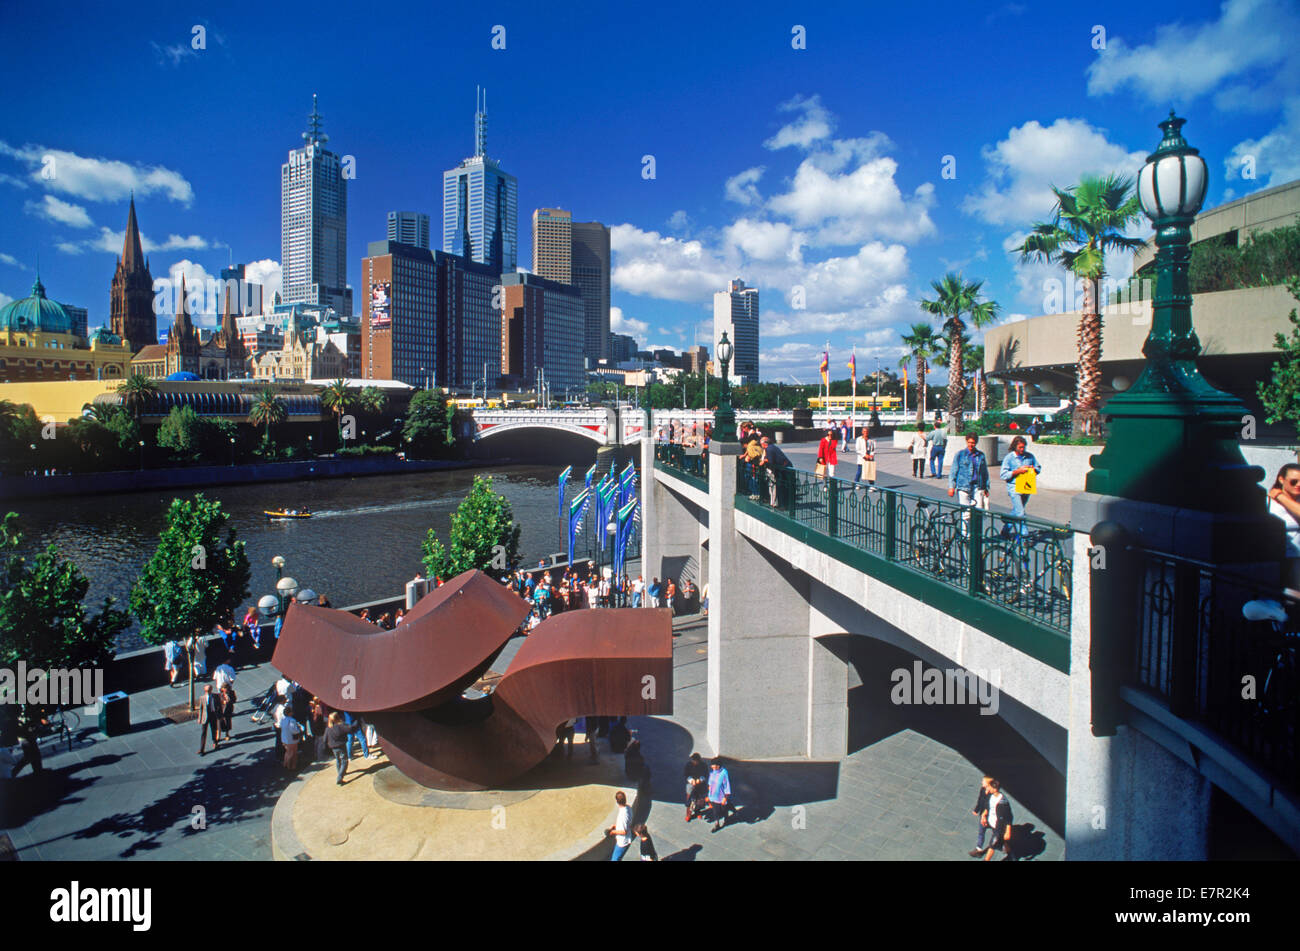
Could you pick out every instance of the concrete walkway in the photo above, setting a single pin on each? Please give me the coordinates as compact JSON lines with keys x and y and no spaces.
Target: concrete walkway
{"x":904,"y":793}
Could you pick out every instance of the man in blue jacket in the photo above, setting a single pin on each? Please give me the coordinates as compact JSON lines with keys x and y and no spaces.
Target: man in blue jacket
{"x":969,"y":474}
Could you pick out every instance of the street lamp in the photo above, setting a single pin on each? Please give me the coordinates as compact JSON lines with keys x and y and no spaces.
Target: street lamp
{"x":141,"y":453}
{"x":285,"y":589}
{"x":232,"y":449}
{"x":1171,"y":420}
{"x":278,"y":562}
{"x":724,"y":420}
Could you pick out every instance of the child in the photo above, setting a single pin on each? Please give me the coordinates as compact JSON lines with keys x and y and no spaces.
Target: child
{"x":648,"y":853}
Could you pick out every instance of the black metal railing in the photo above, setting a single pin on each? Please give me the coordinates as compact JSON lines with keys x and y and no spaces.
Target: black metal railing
{"x":1195,"y":649}
{"x":1024,"y":564}
{"x":688,"y":460}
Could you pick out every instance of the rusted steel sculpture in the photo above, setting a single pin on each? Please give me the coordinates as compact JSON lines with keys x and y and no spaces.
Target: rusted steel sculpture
{"x":409,"y":681}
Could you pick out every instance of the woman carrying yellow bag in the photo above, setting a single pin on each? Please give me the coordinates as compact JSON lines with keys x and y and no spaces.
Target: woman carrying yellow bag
{"x":1020,"y":471}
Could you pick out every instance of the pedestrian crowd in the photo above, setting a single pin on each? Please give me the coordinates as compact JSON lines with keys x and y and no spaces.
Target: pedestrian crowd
{"x":564,"y":588}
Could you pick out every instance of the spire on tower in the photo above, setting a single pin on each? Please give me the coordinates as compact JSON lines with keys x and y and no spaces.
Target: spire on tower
{"x":480,"y":121}
{"x":132,"y":253}
{"x":313,"y":135}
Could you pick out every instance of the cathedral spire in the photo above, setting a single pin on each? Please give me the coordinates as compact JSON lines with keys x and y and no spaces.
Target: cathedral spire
{"x":132,"y":252}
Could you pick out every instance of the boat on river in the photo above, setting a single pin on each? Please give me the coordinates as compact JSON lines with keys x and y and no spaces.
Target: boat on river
{"x":273,"y":514}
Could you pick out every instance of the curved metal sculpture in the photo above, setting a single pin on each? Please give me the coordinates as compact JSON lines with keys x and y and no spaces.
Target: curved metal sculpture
{"x":409,"y":681}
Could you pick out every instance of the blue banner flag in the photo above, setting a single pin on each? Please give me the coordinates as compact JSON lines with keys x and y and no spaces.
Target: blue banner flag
{"x":590,"y":474}
{"x":564,"y":478}
{"x":604,"y":508}
{"x":626,"y":520}
{"x":576,"y":510}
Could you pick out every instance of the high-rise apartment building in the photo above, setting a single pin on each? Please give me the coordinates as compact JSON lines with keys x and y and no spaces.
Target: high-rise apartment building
{"x":480,"y":205}
{"x":541,"y":331}
{"x":735,"y":310}
{"x":428,"y":317}
{"x":621,"y":347}
{"x":314,"y":224}
{"x":409,"y":227}
{"x":590,"y":257}
{"x":553,"y":244}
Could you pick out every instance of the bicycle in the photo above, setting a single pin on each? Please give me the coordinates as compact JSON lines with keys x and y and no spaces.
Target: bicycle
{"x":1278,"y":704}
{"x":63,"y":724}
{"x":1008,"y":576}
{"x":938,"y":539}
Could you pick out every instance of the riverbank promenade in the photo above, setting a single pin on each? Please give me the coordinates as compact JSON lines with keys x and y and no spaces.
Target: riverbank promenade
{"x":904,"y":792}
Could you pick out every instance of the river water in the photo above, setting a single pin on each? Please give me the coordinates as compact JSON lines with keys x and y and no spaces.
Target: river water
{"x":362,"y":544}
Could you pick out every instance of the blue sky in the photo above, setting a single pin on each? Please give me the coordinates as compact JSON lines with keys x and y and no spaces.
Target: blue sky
{"x":819,"y":168}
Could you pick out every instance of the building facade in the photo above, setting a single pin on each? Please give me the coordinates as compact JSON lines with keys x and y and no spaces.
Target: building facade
{"x":314,"y":224}
{"x":735,"y":311}
{"x":409,"y":227}
{"x":480,"y":206}
{"x":590,"y":255}
{"x":541,"y":332}
{"x":37,"y":343}
{"x":305,"y":355}
{"x":131,"y":299}
{"x":553,"y":244}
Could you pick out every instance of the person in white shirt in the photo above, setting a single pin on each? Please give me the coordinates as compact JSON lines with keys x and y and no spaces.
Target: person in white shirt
{"x":1284,"y":503}
{"x":622,"y":827}
{"x":637,"y":587}
{"x":290,"y":732}
{"x":865,"y":447}
{"x":920,"y":451}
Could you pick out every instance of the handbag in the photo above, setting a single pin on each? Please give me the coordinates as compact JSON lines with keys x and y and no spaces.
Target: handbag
{"x":820,"y":471}
{"x":869,"y":469}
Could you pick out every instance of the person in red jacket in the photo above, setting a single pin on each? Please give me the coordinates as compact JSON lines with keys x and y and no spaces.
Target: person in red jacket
{"x":826,"y":454}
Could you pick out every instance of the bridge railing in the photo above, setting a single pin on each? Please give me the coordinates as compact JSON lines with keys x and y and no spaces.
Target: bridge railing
{"x":1024,"y":564}
{"x":692,"y":462}
{"x":1194,"y":649}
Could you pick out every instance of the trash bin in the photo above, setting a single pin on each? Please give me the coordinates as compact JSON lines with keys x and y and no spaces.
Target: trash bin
{"x":114,"y":714}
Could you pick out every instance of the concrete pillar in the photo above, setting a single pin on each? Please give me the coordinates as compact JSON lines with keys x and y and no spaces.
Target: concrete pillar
{"x":761,"y":665}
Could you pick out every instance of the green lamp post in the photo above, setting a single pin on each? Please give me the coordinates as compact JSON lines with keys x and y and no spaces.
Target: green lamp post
{"x":724,"y":417}
{"x":1174,"y":437}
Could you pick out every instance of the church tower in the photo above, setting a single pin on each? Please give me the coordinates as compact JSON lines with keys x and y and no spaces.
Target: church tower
{"x":182,"y":340}
{"x":131,"y":305}
{"x":228,"y":339}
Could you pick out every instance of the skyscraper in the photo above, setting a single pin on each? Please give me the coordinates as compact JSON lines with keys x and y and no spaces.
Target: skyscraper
{"x":541,"y":330}
{"x":480,"y":205}
{"x":735,"y":310}
{"x":131,"y":301}
{"x":553,"y":244}
{"x":590,"y":256}
{"x":314,"y":224}
{"x":409,"y":227}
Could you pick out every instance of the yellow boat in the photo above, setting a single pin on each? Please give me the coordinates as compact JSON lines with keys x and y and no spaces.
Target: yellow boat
{"x":296,"y":513}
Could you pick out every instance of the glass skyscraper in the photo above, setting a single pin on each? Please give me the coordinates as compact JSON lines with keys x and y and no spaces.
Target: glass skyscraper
{"x":735,"y":310}
{"x":480,"y":206}
{"x":314,"y":224}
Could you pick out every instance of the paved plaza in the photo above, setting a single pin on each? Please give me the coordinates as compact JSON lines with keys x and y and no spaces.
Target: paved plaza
{"x":905,"y":792}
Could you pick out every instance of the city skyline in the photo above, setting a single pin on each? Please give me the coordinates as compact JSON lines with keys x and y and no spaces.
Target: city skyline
{"x":813,"y":181}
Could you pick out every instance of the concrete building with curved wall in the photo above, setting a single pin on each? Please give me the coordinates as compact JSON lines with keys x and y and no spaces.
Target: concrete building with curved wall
{"x":1236,"y":327}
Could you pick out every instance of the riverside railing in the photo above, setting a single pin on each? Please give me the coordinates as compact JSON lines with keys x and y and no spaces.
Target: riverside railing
{"x":1023,"y":564}
{"x":691,"y":461}
{"x":1195,"y":649}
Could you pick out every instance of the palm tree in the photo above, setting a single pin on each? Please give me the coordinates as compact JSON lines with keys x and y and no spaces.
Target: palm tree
{"x":372,"y":400}
{"x":973,"y":357}
{"x":956,"y":296}
{"x":337,"y":398}
{"x":1089,"y":221}
{"x":267,"y":410}
{"x":136,"y":390}
{"x":922,"y":343}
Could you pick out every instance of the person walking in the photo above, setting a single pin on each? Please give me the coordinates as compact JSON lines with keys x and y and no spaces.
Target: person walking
{"x":655,"y":591}
{"x":338,"y":735}
{"x":697,"y":786}
{"x":226,"y":698}
{"x":999,"y":820}
{"x":938,"y":440}
{"x":719,"y":794}
{"x":290,"y":735}
{"x":670,"y":596}
{"x":648,"y":853}
{"x":704,"y":599}
{"x":361,"y":735}
{"x":918,"y":448}
{"x":826,"y":455}
{"x":1284,"y":504}
{"x":621,"y":830}
{"x":172,"y":660}
{"x":980,"y":812}
{"x":968,"y":478}
{"x":31,"y":752}
{"x":865,"y":447}
{"x":209,"y":719}
{"x":637,"y":587}
{"x":1020,"y":471}
{"x":564,"y":736}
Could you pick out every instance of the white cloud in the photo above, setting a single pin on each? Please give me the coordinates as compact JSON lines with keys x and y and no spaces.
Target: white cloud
{"x":12,"y":261}
{"x":1024,"y":166}
{"x":1275,"y":156}
{"x":174,"y":53}
{"x":863,"y":204}
{"x":667,"y":268}
{"x":790,"y":361}
{"x":620,"y":323}
{"x":97,"y":179}
{"x":813,"y":124}
{"x":763,"y":240}
{"x":679,"y":220}
{"x":269,"y":274}
{"x":1187,"y":61}
{"x":110,"y":240}
{"x":5,"y":299}
{"x":70,"y":247}
{"x":53,"y":209}
{"x":742,"y":187}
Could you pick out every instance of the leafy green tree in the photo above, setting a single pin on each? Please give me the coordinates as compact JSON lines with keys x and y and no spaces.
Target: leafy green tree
{"x":20,"y":429}
{"x":267,"y":410}
{"x":136,"y":390}
{"x":194,"y":578}
{"x":181,"y":432}
{"x":955,"y":296}
{"x":372,"y":400}
{"x":429,"y":431}
{"x":483,"y":521}
{"x":1089,"y":221}
{"x":922,"y":343}
{"x":1280,"y":394}
{"x":42,"y":618}
{"x":337,"y":398}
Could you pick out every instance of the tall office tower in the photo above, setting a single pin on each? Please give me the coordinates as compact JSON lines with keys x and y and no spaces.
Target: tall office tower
{"x":469,"y":326}
{"x":399,"y":314}
{"x":409,"y":227}
{"x":696,"y":359}
{"x":131,"y":299}
{"x":314,"y":224}
{"x":622,"y":347}
{"x":480,"y":205}
{"x":590,"y":256}
{"x":735,"y":310}
{"x":541,"y":331}
{"x":553,"y":244}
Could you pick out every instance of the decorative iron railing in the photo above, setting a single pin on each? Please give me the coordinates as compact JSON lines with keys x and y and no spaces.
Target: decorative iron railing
{"x":1024,"y":564}
{"x":687,"y":460}
{"x":1195,"y":649}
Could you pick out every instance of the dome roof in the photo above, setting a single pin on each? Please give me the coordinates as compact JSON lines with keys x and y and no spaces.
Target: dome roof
{"x":184,"y":376}
{"x":35,"y":314}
